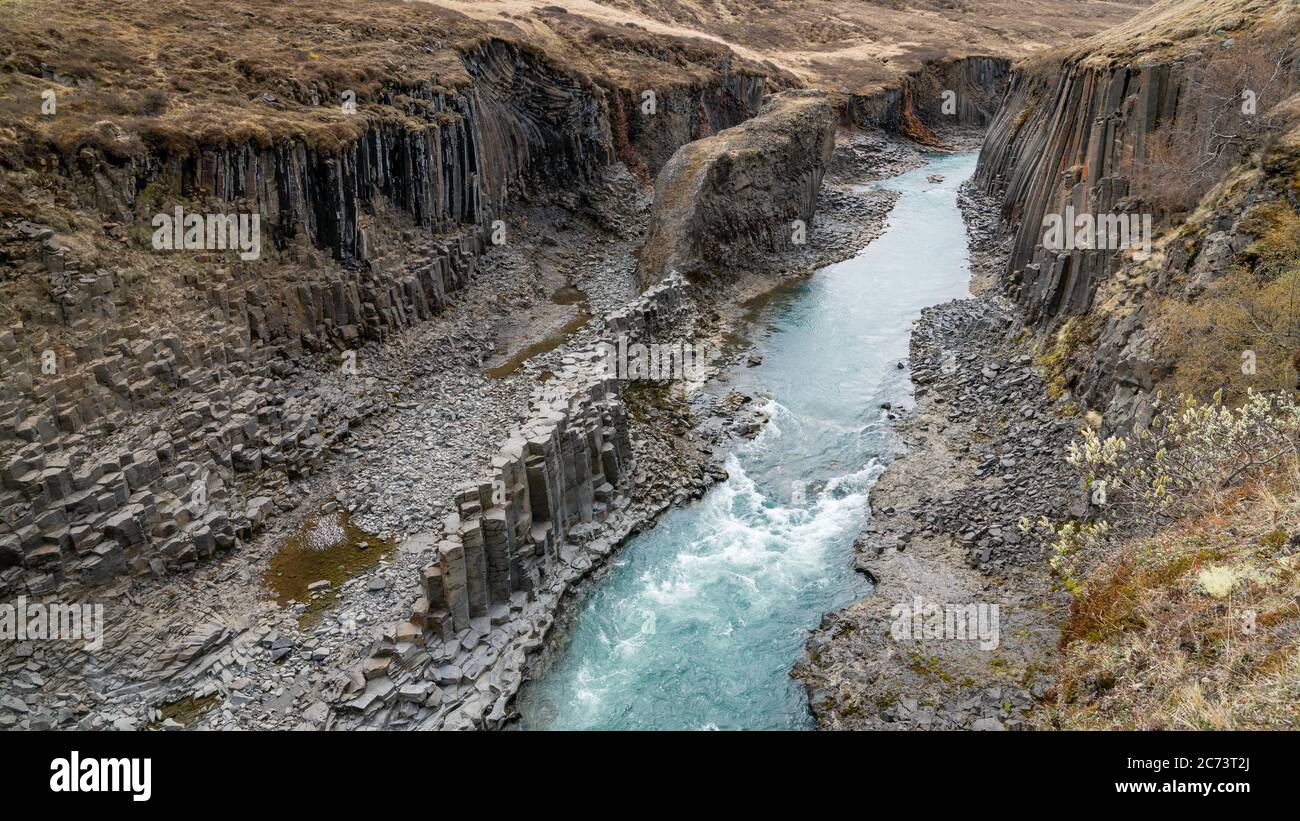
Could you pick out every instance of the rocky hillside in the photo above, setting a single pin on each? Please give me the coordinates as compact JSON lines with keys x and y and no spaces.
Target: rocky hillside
{"x":1180,"y":557}
{"x":1146,"y":579}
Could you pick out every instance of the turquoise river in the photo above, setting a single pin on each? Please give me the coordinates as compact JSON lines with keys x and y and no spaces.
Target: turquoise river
{"x":700,"y":619}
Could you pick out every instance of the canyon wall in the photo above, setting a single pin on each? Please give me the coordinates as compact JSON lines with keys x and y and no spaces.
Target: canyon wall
{"x":1103,"y":132}
{"x":742,"y":189}
{"x":1070,"y":140}
{"x":682,"y":112}
{"x":961,"y":92}
{"x":147,"y":412}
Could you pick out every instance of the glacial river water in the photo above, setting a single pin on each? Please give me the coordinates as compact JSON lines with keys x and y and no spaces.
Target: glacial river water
{"x":700,"y":620}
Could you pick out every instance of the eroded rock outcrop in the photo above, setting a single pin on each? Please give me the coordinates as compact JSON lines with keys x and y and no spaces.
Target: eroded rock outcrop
{"x":749,"y":188}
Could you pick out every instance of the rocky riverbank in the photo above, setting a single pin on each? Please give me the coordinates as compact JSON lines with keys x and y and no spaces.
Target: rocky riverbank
{"x":1058,"y":339}
{"x":984,"y":450}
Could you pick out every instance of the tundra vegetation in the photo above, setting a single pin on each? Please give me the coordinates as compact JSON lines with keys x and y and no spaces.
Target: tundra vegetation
{"x":1185,"y":578}
{"x":1182,"y":555}
{"x":1243,"y":333}
{"x":1184,"y":569}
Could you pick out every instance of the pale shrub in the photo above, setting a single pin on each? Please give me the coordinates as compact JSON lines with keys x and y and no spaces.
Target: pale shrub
{"x":1182,"y":464}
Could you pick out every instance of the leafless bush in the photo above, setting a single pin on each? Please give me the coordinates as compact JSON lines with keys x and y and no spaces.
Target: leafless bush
{"x":1227,"y":110}
{"x":1187,"y":460}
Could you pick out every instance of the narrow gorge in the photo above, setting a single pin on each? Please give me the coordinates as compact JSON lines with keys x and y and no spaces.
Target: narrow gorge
{"x":393,"y":460}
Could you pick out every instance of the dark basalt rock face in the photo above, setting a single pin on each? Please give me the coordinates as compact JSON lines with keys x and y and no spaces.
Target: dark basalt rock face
{"x":141,"y":449}
{"x":1070,"y":141}
{"x":537,"y":127}
{"x":1071,"y":135}
{"x":741,"y":189}
{"x":520,"y":129}
{"x":1065,"y":141}
{"x":916,"y":104}
{"x":455,"y":159}
{"x":685,"y":113}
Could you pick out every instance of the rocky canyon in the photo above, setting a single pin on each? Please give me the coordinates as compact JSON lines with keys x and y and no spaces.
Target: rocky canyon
{"x":611,"y":364}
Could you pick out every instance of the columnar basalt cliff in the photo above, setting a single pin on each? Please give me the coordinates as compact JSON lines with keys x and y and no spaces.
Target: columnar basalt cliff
{"x":1069,"y":140}
{"x":147,"y":411}
{"x":963,"y":92}
{"x":445,"y":160}
{"x":649,"y":129}
{"x":742,"y":189}
{"x":556,"y":502}
{"x":1100,"y":132}
{"x":1189,"y":117}
{"x":443,"y":152}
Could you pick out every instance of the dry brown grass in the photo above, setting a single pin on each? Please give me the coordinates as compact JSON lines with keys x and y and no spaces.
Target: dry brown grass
{"x":1171,"y":26}
{"x":1147,"y":646}
{"x":842,"y":46}
{"x":174,"y":74}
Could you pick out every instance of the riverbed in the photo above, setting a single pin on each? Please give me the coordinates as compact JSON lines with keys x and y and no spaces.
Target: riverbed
{"x":700,"y":620}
